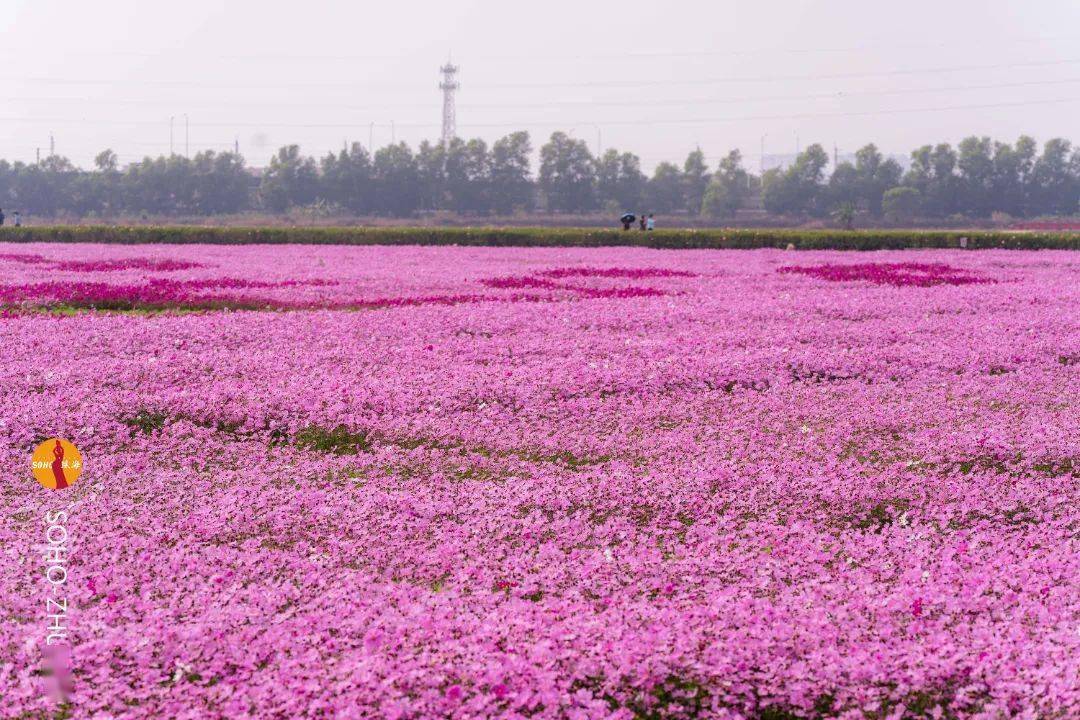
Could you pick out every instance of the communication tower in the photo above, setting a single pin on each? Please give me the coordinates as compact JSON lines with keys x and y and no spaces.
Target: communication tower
{"x":449,"y":117}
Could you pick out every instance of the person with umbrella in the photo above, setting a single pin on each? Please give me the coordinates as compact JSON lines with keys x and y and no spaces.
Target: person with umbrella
{"x":627,"y":220}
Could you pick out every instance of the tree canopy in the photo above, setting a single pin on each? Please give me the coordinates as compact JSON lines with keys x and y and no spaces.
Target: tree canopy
{"x":976,"y":178}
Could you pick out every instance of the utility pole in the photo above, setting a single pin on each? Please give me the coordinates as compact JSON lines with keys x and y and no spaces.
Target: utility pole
{"x":763,"y":153}
{"x":38,"y":151}
{"x":187,"y":137}
{"x":236,"y":145}
{"x":448,"y":85}
{"x":52,"y":145}
{"x":835,"y":155}
{"x":171,"y":118}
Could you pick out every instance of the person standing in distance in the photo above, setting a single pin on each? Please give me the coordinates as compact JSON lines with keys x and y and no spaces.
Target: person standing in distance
{"x":651,"y":224}
{"x":1,"y":216}
{"x":18,"y":220}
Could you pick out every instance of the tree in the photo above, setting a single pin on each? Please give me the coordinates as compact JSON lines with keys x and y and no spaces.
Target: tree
{"x":106,"y":161}
{"x":844,"y":185}
{"x":874,"y":175}
{"x":468,"y":176}
{"x":632,"y":183}
{"x":107,"y":189}
{"x":347,"y":179}
{"x":1074,"y":174}
{"x":695,"y":180}
{"x":1056,"y":182}
{"x":727,"y":189}
{"x":291,"y":180}
{"x":1010,"y":178}
{"x":511,"y":187}
{"x":932,"y":173}
{"x":607,"y":181}
{"x":567,"y":174}
{"x":220,"y":183}
{"x":799,"y":188}
{"x":863,"y":184}
{"x":620,"y":182}
{"x":397,"y":186}
{"x":980,"y":177}
{"x":845,"y":215}
{"x":45,"y":188}
{"x":976,"y":166}
{"x":901,"y":204}
{"x":7,"y":183}
{"x":431,"y":175}
{"x":160,"y":186}
{"x":665,"y":189}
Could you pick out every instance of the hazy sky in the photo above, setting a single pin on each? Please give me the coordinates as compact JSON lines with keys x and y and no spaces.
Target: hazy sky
{"x":654,"y":77}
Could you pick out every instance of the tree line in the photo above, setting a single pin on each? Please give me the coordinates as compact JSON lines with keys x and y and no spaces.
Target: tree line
{"x":975,"y":179}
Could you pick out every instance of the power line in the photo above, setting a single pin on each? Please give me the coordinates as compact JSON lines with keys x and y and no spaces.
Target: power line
{"x":838,"y":95}
{"x":774,"y":78}
{"x":952,"y":43}
{"x":588,"y":83}
{"x":725,"y":100}
{"x":566,"y":123}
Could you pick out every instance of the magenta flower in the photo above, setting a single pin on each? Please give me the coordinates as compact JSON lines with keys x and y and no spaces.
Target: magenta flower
{"x":637,"y":483}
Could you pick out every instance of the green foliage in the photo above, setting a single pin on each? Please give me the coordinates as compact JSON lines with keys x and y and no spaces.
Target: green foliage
{"x":863,"y":184}
{"x":468,"y":176}
{"x":1055,"y":186}
{"x":347,"y":180}
{"x":901,"y":204}
{"x":291,"y":180}
{"x":567,"y":174}
{"x":511,"y":186}
{"x":978,"y":178}
{"x":397,"y":178}
{"x":874,"y":175}
{"x":741,"y":238}
{"x":982,"y":177}
{"x":338,"y":440}
{"x":845,"y":215}
{"x":664,"y":193}
{"x":695,"y":180}
{"x":976,"y":166}
{"x":106,"y":161}
{"x":727,"y":189}
{"x":932,"y":173}
{"x":145,"y":421}
{"x":620,"y":184}
{"x":799,"y":189}
{"x":883,"y":514}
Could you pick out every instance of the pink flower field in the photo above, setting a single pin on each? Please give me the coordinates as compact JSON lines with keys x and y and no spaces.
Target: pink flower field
{"x":367,"y":482}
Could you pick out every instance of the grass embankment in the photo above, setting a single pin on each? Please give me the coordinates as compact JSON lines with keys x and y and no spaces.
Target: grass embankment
{"x":551,"y":237}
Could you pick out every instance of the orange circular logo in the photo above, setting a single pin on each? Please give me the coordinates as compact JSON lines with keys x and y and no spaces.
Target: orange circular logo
{"x":57,"y":464}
